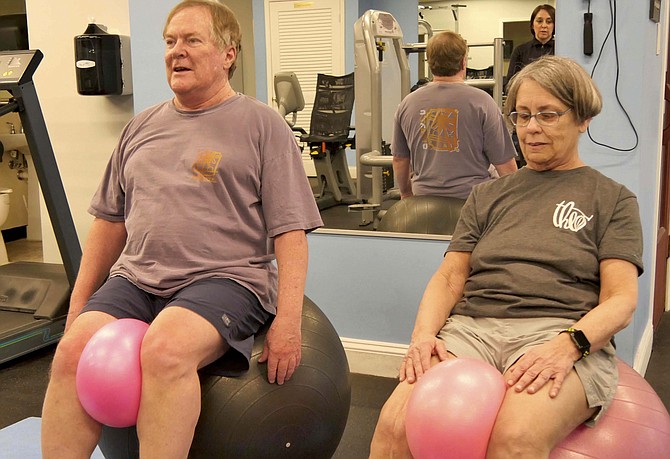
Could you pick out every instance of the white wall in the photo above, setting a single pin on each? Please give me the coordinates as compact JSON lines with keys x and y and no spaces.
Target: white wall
{"x":18,"y":209}
{"x":83,"y":129}
{"x":18,"y":199}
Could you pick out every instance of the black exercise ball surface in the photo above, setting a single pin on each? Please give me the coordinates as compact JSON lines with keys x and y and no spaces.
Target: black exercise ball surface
{"x":422,"y":214}
{"x":247,"y":417}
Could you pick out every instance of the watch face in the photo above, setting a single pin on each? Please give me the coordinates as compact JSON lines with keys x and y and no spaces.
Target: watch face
{"x":580,"y":340}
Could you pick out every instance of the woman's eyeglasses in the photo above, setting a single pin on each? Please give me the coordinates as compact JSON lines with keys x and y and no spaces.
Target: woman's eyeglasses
{"x":522,"y":119}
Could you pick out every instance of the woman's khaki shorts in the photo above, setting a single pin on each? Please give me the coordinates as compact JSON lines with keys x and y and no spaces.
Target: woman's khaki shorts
{"x":501,"y":342}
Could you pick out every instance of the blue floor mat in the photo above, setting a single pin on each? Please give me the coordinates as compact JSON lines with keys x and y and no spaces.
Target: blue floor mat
{"x":22,"y":441}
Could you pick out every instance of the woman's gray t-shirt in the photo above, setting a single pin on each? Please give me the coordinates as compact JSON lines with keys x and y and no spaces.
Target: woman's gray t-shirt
{"x":537,"y":240}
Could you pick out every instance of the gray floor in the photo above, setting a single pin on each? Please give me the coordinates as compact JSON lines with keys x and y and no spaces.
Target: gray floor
{"x":23,"y":383}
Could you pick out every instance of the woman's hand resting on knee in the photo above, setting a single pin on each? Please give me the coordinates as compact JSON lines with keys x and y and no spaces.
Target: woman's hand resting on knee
{"x":419,"y":357}
{"x":547,"y":363}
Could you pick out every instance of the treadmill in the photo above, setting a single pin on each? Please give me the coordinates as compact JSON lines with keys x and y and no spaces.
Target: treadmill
{"x":34,"y":297}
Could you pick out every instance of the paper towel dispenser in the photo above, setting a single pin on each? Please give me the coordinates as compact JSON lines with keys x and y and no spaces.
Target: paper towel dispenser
{"x":102,"y":62}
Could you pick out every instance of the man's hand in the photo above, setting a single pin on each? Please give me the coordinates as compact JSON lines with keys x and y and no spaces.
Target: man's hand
{"x":282,"y":350}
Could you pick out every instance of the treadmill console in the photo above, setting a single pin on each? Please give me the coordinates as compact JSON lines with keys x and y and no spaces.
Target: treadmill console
{"x":18,"y":67}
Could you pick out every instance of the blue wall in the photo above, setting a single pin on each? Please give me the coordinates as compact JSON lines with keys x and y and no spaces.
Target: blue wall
{"x":640,"y":80}
{"x":370,"y":286}
{"x":147,"y":18}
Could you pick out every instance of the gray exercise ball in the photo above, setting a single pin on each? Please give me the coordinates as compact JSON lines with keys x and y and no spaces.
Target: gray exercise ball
{"x":422,"y":214}
{"x":247,"y":417}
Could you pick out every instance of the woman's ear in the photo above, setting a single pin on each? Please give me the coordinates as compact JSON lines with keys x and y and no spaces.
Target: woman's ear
{"x":584,"y":125}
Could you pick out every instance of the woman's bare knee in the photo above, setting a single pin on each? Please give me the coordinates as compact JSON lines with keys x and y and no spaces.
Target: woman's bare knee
{"x":510,"y":440}
{"x":390,"y":438}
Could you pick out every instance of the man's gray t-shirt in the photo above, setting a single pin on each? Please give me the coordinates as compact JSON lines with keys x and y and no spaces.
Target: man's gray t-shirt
{"x":537,"y":240}
{"x":452,"y":133}
{"x":203,"y":193}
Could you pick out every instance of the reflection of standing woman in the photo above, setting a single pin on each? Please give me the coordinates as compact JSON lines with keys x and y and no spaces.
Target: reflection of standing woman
{"x":542,"y":28}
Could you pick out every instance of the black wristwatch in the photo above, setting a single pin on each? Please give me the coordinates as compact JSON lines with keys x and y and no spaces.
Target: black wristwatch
{"x":580,"y":340}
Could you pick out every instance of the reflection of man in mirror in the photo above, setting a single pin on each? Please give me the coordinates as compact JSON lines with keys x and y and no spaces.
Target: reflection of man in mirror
{"x":446,"y":133}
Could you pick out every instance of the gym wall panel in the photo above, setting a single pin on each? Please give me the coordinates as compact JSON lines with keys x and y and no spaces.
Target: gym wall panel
{"x":83,"y":129}
{"x":370,"y":286}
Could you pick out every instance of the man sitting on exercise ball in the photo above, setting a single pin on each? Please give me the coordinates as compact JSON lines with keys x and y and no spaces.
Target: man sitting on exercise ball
{"x":200,"y":195}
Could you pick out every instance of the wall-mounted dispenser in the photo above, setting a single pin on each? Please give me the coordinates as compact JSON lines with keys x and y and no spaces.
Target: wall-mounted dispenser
{"x":102,"y":62}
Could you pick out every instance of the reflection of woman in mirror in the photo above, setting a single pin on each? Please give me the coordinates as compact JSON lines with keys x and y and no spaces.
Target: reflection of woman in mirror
{"x":542,"y":28}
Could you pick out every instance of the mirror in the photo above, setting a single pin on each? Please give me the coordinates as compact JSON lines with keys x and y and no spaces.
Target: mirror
{"x":479,"y":22}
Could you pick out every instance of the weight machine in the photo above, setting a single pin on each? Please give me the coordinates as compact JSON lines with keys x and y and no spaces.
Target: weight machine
{"x":328,"y":136}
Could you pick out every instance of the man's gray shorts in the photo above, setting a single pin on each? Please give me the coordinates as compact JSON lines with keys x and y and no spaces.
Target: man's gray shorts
{"x":501,"y":342}
{"x":231,"y":308}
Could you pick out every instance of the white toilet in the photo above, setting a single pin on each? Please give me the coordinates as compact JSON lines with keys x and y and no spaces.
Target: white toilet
{"x":4,"y":212}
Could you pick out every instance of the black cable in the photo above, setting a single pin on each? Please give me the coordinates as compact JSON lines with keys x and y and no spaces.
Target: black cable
{"x":616,"y":81}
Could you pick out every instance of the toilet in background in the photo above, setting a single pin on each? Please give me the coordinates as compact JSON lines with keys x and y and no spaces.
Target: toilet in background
{"x":4,"y":212}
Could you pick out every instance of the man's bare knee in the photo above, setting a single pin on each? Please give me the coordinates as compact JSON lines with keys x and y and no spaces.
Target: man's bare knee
{"x":161,"y":358}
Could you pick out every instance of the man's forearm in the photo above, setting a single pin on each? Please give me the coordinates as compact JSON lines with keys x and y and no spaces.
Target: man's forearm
{"x":103,"y":247}
{"x":292,"y":256}
{"x":401,"y":174}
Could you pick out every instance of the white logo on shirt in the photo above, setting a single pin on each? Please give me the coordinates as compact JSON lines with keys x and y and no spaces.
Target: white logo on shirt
{"x":567,"y":216}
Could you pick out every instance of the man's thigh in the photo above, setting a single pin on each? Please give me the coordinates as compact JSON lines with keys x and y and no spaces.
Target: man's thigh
{"x":212,"y":307}
{"x":186,"y":336}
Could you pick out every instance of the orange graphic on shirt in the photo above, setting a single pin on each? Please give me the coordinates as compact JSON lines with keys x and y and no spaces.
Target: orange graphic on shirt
{"x":439,"y":129}
{"x":206,"y":166}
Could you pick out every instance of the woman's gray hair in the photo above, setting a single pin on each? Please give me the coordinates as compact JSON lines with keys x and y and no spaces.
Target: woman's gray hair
{"x":564,"y":79}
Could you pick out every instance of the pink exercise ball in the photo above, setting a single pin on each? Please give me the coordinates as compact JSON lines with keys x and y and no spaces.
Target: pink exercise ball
{"x":636,"y":425}
{"x":452,"y":409}
{"x":109,"y":377}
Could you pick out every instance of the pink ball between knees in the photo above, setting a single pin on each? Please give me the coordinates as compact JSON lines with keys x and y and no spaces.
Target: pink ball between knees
{"x":452,"y":409}
{"x":636,"y":425}
{"x":109,"y":377}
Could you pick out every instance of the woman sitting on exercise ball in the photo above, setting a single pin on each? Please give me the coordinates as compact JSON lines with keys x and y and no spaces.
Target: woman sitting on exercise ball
{"x":540,"y":274}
